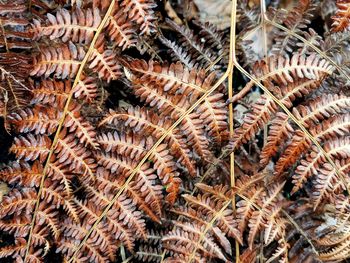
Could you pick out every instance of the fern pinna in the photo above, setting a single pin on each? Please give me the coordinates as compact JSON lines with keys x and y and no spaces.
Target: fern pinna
{"x":123,"y":134}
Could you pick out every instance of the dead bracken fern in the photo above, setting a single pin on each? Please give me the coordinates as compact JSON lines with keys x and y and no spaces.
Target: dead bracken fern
{"x":128,"y":145}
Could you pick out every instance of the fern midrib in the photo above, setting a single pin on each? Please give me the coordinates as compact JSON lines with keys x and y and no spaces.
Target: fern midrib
{"x":291,"y":68}
{"x":69,"y":27}
{"x":116,"y":143}
{"x":161,"y":75}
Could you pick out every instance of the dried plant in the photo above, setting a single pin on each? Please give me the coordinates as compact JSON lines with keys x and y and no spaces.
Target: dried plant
{"x":127,"y":145}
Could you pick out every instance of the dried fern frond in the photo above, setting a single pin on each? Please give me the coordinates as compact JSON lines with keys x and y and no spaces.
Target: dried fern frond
{"x":294,"y":78}
{"x":296,"y":20}
{"x":208,"y":217}
{"x":39,"y":120}
{"x":120,"y":30}
{"x":14,"y":33}
{"x":62,"y":61}
{"x":203,"y":55}
{"x":103,"y":62}
{"x":15,"y":89}
{"x":141,"y":12}
{"x":78,"y":26}
{"x":215,"y":46}
{"x":341,"y":17}
{"x":147,"y":122}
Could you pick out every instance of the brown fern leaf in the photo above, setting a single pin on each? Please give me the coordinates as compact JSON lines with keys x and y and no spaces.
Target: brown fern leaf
{"x":15,"y":250}
{"x":179,"y":53}
{"x":14,"y":33}
{"x":175,"y":106}
{"x":336,"y":243}
{"x":212,"y":109}
{"x":328,"y":183}
{"x":201,"y":210}
{"x":147,"y":122}
{"x":316,"y":114}
{"x":336,"y":126}
{"x":337,"y":253}
{"x":69,"y":151}
{"x":261,"y":113}
{"x":285,"y":70}
{"x":120,"y":30}
{"x":212,"y":35}
{"x":107,"y":181}
{"x":215,"y":46}
{"x":206,"y":205}
{"x":201,"y":53}
{"x":103,"y":240}
{"x":295,"y":77}
{"x":296,"y":20}
{"x":115,"y":230}
{"x":341,"y":17}
{"x":267,"y":217}
{"x":292,"y":153}
{"x":31,"y":147}
{"x":38,"y":120}
{"x":336,"y":148}
{"x":135,"y":147}
{"x":161,"y":95}
{"x":312,"y":114}
{"x":23,"y":173}
{"x":148,"y":254}
{"x":17,"y":206}
{"x":59,"y":195}
{"x":260,"y":208}
{"x":78,"y":26}
{"x":141,"y":12}
{"x":214,"y":116}
{"x":321,"y":108}
{"x":16,"y":226}
{"x":15,"y":87}
{"x":172,"y":78}
{"x":253,"y":190}
{"x":145,"y":180}
{"x":18,"y":202}
{"x":63,"y":61}
{"x":150,"y":249}
{"x":103,"y":62}
{"x":280,"y":253}
{"x":183,"y":240}
{"x":59,"y":172}
{"x":73,"y":232}
{"x":126,"y":209}
{"x":51,"y":92}
{"x":278,"y":133}
{"x":86,"y":89}
{"x":82,"y":129}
